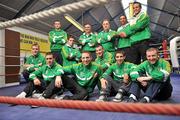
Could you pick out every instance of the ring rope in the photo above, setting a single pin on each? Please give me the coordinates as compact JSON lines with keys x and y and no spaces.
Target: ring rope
{"x":51,"y":12}
{"x":160,"y":109}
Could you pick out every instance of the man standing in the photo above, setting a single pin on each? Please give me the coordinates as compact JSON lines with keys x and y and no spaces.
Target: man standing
{"x":139,"y":26}
{"x":88,"y":40}
{"x":124,"y":43}
{"x":33,"y":62}
{"x":46,"y":80}
{"x":57,"y":38}
{"x":105,"y":37}
{"x":156,"y":82}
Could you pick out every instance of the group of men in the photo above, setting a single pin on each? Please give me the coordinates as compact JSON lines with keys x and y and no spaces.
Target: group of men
{"x":116,"y":70}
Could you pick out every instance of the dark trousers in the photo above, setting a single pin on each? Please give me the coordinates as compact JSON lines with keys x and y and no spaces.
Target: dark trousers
{"x":128,"y":54}
{"x":138,"y":51}
{"x":58,"y":57}
{"x":113,"y":87}
{"x":26,"y":74}
{"x":47,"y":88}
{"x":79,"y":92}
{"x":154,"y":90}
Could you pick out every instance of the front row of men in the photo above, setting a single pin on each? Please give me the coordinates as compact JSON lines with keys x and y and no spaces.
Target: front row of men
{"x":119,"y":79}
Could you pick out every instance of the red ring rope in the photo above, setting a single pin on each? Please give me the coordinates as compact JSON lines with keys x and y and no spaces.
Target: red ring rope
{"x":162,"y":109}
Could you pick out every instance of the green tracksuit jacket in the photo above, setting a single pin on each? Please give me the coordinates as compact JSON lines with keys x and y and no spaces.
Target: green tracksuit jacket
{"x":84,"y":74}
{"x":48,"y":73}
{"x":35,"y":60}
{"x":88,"y":42}
{"x":105,"y":39}
{"x":159,"y":71}
{"x":106,"y":60}
{"x":139,"y":26}
{"x":70,"y":55}
{"x":124,"y":42}
{"x":57,"y":38}
{"x":118,"y":71}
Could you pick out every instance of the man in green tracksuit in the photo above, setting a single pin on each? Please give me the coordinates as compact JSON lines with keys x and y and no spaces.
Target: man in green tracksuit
{"x":156,"y":84}
{"x":88,"y":40}
{"x":104,"y":58}
{"x":46,"y":79}
{"x":122,"y":73}
{"x":86,"y":77}
{"x":33,"y":62}
{"x":124,"y":44}
{"x":57,"y":38}
{"x":105,"y":37}
{"x":139,"y":26}
{"x":70,"y":55}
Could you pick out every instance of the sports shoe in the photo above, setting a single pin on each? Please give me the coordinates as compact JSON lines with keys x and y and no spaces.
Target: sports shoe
{"x":102,"y":98}
{"x":131,"y":100}
{"x":36,"y":95}
{"x":118,"y":97}
{"x":144,"y":100}
{"x":61,"y":97}
{"x":21,"y":95}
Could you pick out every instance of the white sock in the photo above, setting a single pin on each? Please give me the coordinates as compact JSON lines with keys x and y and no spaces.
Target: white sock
{"x":147,"y":98}
{"x":133,"y":96}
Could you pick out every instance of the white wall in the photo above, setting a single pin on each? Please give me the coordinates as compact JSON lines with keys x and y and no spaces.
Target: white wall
{"x":26,"y":31}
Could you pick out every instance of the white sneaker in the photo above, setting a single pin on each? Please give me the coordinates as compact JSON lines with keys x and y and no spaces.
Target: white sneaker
{"x":59,"y":97}
{"x":118,"y":97}
{"x":36,"y":95}
{"x":21,"y":95}
{"x":102,"y":98}
{"x":41,"y":97}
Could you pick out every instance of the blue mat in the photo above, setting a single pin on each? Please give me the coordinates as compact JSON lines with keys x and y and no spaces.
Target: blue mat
{"x":20,"y":112}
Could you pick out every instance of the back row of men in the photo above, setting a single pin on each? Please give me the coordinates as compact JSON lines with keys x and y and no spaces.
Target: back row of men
{"x":109,"y":72}
{"x":132,"y":37}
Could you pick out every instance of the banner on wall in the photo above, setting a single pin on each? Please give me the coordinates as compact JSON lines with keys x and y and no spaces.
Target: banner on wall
{"x":27,"y":40}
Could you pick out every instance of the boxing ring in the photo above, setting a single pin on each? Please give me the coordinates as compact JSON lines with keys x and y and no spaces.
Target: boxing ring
{"x":79,"y":108}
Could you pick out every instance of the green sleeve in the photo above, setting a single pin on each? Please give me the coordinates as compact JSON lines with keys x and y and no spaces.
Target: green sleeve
{"x":50,"y":37}
{"x":65,"y":52}
{"x":108,"y":72}
{"x":36,"y":73}
{"x":133,"y":72}
{"x":68,"y":69}
{"x":162,"y":74}
{"x":59,"y":71}
{"x":128,"y":31}
{"x":108,"y":61}
{"x":141,"y":23}
{"x":63,"y":40}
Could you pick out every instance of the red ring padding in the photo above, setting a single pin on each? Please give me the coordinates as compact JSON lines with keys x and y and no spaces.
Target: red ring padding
{"x":156,"y":108}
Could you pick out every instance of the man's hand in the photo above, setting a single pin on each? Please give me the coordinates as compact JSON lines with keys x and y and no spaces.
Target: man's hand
{"x":37,"y":81}
{"x":122,"y":34}
{"x":141,"y":79}
{"x":95,"y":75}
{"x":103,"y":83}
{"x":126,"y":78}
{"x":144,"y":83}
{"x":58,"y":81}
{"x":35,"y":69}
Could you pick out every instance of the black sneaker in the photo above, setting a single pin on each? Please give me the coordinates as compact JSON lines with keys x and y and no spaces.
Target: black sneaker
{"x":131,"y":100}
